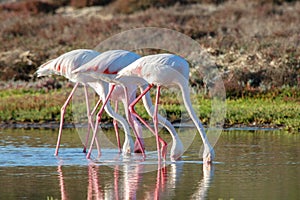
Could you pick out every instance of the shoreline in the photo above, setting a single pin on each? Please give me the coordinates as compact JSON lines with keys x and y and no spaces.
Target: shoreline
{"x":55,"y":125}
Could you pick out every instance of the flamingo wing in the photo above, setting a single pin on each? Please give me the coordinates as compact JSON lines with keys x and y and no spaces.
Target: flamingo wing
{"x":66,"y":63}
{"x":109,"y":62}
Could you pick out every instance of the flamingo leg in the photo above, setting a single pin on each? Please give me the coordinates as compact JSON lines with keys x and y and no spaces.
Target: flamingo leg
{"x":90,"y":121}
{"x":155,"y":122}
{"x":98,"y":121}
{"x":62,"y":115}
{"x":138,"y":128}
{"x":133,"y":112}
{"x":116,"y":128}
{"x":130,"y":120}
{"x":89,"y":118}
{"x":96,"y":106}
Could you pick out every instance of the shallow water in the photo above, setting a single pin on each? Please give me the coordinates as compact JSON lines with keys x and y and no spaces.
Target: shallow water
{"x":249,"y":165}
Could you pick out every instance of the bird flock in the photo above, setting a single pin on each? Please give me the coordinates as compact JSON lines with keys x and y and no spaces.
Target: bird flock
{"x":116,"y":75}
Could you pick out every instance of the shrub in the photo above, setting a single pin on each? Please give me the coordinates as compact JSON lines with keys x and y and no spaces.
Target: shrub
{"x":30,"y":6}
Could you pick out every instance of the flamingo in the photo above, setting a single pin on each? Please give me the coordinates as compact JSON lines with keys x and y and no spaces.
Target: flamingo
{"x":108,"y":62}
{"x":103,"y":65}
{"x":63,"y":66}
{"x":162,"y":70}
{"x":130,"y":88}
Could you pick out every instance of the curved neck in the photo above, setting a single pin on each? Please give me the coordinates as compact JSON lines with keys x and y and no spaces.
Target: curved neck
{"x":188,"y":105}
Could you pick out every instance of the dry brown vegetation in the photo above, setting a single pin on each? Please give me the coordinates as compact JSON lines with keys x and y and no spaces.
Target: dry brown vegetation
{"x":255,"y":42}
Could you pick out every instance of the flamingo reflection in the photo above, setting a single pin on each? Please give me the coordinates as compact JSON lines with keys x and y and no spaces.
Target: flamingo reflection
{"x":204,"y":184}
{"x":132,"y":175}
{"x":94,"y":189}
{"x":130,"y":179}
{"x":161,"y":179}
{"x":63,"y":193}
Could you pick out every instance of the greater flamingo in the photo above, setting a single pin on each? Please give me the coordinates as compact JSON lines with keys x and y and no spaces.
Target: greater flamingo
{"x":130,"y":86}
{"x":103,"y":65}
{"x":163,"y":70}
{"x":64,"y":65}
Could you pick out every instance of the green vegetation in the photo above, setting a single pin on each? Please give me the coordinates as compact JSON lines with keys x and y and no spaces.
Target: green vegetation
{"x":279,"y":110}
{"x":23,"y":105}
{"x":259,"y":112}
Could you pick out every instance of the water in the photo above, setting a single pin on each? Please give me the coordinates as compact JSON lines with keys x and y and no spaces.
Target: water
{"x":250,"y":165}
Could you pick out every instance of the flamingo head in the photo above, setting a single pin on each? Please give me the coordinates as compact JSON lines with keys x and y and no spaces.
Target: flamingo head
{"x":176,"y":150}
{"x":128,"y":146}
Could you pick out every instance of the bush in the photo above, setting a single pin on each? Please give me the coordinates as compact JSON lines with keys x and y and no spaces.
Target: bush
{"x":30,"y":6}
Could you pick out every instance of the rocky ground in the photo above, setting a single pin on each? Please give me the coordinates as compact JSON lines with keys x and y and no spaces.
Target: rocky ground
{"x":255,"y":42}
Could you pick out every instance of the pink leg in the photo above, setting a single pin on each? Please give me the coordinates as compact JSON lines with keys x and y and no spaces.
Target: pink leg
{"x":164,"y":145}
{"x":89,"y":118}
{"x":98,"y":121}
{"x":62,"y":115}
{"x":116,"y":128}
{"x":96,"y":106}
{"x":133,"y":112}
{"x":130,"y":120}
{"x":137,"y":147}
{"x":90,"y":121}
{"x":155,"y":121}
